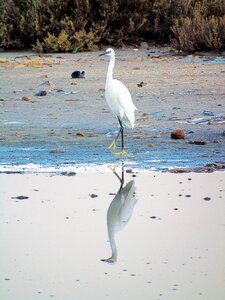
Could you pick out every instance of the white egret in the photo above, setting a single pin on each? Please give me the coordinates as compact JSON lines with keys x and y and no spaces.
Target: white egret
{"x":119,"y":100}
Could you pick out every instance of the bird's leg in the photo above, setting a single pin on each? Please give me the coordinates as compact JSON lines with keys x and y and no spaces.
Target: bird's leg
{"x":113,"y":145}
{"x":121,"y":179}
{"x":122,"y":139}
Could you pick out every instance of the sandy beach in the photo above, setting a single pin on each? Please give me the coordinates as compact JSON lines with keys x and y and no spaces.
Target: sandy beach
{"x":69,"y":227}
{"x":54,"y":235}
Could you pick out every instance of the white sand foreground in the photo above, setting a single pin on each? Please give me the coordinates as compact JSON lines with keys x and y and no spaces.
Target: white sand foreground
{"x":171,"y":246}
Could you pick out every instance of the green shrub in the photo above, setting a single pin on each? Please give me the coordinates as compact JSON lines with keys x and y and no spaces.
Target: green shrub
{"x":200,"y":30}
{"x":67,"y":25}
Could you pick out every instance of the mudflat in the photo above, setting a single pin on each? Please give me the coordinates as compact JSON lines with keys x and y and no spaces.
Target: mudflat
{"x":71,"y":123}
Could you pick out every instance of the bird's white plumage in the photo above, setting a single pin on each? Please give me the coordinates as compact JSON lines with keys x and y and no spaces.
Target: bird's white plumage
{"x":120,"y":102}
{"x":118,"y":96}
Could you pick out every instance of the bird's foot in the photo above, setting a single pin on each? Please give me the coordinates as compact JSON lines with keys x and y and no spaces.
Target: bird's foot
{"x":122,"y":152}
{"x":110,"y":260}
{"x":113,"y":145}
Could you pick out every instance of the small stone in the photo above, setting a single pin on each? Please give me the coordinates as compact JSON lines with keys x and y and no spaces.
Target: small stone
{"x":79,"y":134}
{"x":178,"y":134}
{"x":207,"y":113}
{"x":64,"y":173}
{"x":93,"y":195}
{"x":56,"y":151}
{"x":41,"y":93}
{"x":207,"y":198}
{"x":141,"y":84}
{"x":199,"y":142}
{"x":20,"y":197}
{"x":25,"y":98}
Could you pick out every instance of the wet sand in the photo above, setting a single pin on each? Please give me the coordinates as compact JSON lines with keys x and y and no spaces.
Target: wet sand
{"x":170,"y":92}
{"x":54,"y":237}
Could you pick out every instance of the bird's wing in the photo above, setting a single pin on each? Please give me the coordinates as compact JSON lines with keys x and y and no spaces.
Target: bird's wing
{"x":126,"y":103}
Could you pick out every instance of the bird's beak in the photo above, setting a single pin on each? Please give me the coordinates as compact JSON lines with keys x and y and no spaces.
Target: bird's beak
{"x":104,"y":53}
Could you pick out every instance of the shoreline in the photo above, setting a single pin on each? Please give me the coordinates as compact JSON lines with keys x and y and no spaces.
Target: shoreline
{"x":71,"y":170}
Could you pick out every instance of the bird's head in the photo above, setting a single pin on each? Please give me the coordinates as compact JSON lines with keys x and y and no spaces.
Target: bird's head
{"x":108,"y":52}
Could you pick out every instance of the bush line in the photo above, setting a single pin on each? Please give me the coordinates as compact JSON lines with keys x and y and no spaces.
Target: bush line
{"x":82,"y":25}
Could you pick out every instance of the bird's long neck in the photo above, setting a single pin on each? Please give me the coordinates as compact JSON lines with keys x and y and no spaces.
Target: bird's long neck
{"x":109,"y":76}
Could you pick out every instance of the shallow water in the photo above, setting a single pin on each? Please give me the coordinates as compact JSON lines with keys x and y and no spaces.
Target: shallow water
{"x":169,"y":236}
{"x":163,"y":155}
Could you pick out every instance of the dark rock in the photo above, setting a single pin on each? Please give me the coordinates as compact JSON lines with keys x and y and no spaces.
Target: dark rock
{"x":80,"y":134}
{"x":41,"y":93}
{"x":78,"y":74}
{"x":201,"y":143}
{"x":68,"y":173}
{"x":93,"y":195}
{"x":20,"y":197}
{"x":141,"y":84}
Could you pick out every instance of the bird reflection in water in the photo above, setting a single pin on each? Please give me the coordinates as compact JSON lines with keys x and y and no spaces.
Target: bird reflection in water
{"x":119,"y":212}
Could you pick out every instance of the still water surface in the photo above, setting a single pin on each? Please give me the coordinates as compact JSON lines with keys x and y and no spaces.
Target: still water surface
{"x":112,"y":236}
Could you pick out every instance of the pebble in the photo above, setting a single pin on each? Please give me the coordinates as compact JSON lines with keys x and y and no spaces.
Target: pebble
{"x":25,"y":98}
{"x":200,"y":142}
{"x":207,"y":113}
{"x":178,"y":134}
{"x":80,"y":134}
{"x":41,"y":93}
{"x":93,"y":195}
{"x":20,"y":197}
{"x":65,"y":173}
{"x":57,"y":151}
{"x":141,"y":84}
